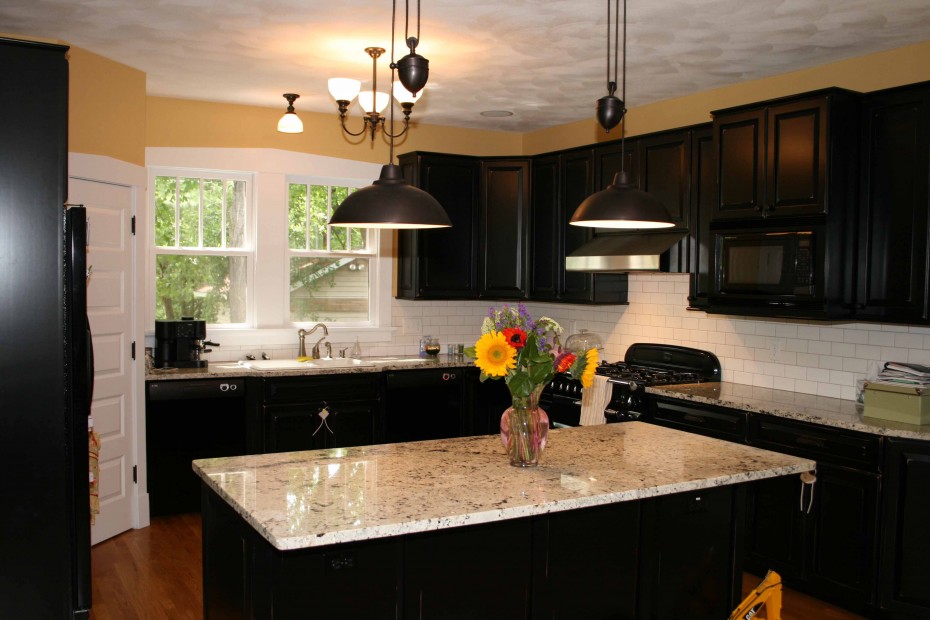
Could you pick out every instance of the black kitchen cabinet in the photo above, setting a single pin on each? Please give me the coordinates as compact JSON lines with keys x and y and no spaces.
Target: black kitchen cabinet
{"x":481,"y":571}
{"x":546,"y":241}
{"x":611,"y":157}
{"x":665,"y":172}
{"x":894,"y":204}
{"x":905,"y":545}
{"x":827,"y":544}
{"x":708,"y":420}
{"x":485,"y":402}
{"x":703,"y":203}
{"x":560,"y":183}
{"x":423,"y":404}
{"x":441,"y":263}
{"x":329,"y":411}
{"x":503,"y":217}
{"x":603,"y":540}
{"x":786,"y":158}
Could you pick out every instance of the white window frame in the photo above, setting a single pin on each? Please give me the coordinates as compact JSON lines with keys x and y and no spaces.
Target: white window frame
{"x":248,"y":251}
{"x":373,"y":241}
{"x":271,"y":169}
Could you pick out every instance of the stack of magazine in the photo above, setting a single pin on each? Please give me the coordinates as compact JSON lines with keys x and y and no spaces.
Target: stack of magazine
{"x":901,"y":373}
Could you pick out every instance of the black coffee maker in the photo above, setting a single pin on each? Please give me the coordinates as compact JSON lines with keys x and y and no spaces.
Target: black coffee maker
{"x":180,"y":344}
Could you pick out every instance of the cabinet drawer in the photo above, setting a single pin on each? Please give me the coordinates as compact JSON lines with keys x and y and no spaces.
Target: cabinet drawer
{"x":718,"y":422}
{"x":821,"y":443}
{"x":356,"y":386}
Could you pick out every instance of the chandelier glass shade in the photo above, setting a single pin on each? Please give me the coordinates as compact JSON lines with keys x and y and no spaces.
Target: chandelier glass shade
{"x":290,"y":122}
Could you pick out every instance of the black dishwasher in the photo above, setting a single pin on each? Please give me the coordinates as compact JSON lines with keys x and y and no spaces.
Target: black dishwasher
{"x":423,"y":404}
{"x":187,"y":419}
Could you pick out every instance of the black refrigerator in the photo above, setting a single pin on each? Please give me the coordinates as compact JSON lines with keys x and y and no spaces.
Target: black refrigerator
{"x":46,"y":367}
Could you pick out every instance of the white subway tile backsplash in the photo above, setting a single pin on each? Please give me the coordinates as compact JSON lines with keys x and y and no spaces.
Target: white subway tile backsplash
{"x":881,"y":339}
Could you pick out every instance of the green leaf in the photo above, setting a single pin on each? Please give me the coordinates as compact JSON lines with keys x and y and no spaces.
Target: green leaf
{"x":521,"y":385}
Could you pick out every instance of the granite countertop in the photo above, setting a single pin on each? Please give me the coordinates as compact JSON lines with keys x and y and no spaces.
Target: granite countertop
{"x":834,"y":412}
{"x":305,"y":499}
{"x":225,"y":370}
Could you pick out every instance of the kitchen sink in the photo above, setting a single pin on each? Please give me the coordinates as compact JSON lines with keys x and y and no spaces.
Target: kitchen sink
{"x":293,"y":364}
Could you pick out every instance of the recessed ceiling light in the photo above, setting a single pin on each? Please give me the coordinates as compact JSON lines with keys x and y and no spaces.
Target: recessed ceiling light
{"x":497,"y":113}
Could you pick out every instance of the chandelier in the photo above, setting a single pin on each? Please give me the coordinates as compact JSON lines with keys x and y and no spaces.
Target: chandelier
{"x":412,"y":72}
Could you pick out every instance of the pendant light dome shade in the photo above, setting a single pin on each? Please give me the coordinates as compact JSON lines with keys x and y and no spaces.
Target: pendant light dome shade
{"x":390,"y":202}
{"x":621,"y":206}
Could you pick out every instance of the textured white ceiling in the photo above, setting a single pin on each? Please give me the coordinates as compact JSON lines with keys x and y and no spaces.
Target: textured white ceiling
{"x":544,"y":60}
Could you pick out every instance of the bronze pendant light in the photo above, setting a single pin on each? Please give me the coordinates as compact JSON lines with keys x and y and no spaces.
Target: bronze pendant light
{"x":620,"y":205}
{"x":391,"y":202}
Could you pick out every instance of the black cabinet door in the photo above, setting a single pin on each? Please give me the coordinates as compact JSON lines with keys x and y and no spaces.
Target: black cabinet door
{"x":504,"y":228}
{"x":577,"y":184}
{"x":442,"y":263}
{"x":740,"y":142}
{"x":775,"y":525}
{"x":796,"y":158}
{"x":485,"y":572}
{"x":293,"y":427}
{"x":610,"y":158}
{"x":893,"y":233}
{"x":703,"y":201}
{"x":666,"y":175}
{"x":690,"y":547}
{"x":351,"y":423}
{"x":586,"y":563}
{"x":843,"y":527}
{"x":905,"y":543}
{"x":546,"y":241}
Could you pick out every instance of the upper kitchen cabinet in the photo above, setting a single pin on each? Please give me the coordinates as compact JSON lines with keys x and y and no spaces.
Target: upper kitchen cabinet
{"x":703,"y":202}
{"x":784,"y":158}
{"x":560,"y":183}
{"x":503,"y":217}
{"x":611,"y":157}
{"x":441,"y":263}
{"x":894,"y":204}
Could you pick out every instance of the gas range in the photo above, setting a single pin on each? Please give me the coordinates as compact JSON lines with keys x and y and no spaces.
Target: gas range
{"x":643,"y":365}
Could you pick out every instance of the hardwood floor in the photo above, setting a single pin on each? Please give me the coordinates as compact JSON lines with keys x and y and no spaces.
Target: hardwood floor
{"x":154,"y":574}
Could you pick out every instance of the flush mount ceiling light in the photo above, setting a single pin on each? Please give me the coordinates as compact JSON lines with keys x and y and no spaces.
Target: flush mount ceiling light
{"x":412,"y":71}
{"x":620,"y":205}
{"x":390,"y":202}
{"x":290,"y":122}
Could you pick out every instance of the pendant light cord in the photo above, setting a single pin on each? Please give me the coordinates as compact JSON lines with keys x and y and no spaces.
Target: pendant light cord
{"x":623,"y":91}
{"x":391,"y":92}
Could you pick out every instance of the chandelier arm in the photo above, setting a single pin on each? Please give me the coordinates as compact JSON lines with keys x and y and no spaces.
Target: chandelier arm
{"x":396,"y":135}
{"x":351,"y":133}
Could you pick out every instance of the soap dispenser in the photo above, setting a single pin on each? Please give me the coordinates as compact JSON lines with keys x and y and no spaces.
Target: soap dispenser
{"x":356,"y":351}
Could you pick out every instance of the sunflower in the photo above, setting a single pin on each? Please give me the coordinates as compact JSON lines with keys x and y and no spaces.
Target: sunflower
{"x":493,"y":355}
{"x":587,"y":377}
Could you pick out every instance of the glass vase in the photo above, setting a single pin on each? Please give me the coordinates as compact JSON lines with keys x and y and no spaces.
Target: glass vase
{"x":524,"y":429}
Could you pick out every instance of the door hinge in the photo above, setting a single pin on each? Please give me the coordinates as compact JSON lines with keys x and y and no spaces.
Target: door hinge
{"x":135,"y":472}
{"x":133,"y":349}
{"x":132,"y":224}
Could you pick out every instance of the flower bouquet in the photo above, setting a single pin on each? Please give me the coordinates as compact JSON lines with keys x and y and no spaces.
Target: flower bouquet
{"x":526,"y":353}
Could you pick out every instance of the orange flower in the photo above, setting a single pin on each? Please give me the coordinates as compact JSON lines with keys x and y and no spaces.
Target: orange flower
{"x":515,"y":337}
{"x":565,"y":362}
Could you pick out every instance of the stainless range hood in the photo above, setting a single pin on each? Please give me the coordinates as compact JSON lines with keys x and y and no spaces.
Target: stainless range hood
{"x":638,"y":251}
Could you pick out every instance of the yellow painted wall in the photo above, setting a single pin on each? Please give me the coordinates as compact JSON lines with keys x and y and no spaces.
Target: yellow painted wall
{"x":188,"y":123}
{"x":106,"y":108}
{"x":904,"y":65}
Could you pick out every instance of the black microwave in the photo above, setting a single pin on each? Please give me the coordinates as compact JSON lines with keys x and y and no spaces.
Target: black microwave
{"x":769,"y":264}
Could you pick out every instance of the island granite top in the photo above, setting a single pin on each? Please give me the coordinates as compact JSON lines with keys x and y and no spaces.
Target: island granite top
{"x":834,"y":412}
{"x":297,"y":500}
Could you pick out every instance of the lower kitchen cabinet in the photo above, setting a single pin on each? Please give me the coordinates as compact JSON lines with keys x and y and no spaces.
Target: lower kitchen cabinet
{"x":826,"y":543}
{"x":323,"y":411}
{"x":822,"y":540}
{"x":485,"y":402}
{"x":905,"y":533}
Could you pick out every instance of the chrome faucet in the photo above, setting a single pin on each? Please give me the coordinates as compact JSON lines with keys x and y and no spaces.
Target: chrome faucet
{"x":315,"y":353}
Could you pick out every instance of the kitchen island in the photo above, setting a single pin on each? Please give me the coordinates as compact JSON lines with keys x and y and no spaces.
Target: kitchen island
{"x":449,"y":529}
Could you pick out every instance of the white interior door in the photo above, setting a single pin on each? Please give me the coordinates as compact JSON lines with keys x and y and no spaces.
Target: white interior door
{"x":109,"y":308}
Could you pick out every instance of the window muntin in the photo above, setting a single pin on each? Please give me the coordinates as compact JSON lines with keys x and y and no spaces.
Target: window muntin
{"x":202,"y":251}
{"x":329,"y":266}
